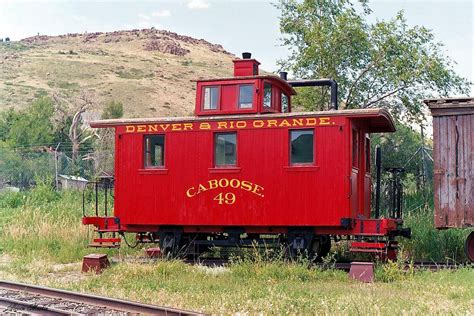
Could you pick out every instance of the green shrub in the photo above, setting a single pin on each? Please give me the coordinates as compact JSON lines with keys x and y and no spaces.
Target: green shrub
{"x":430,"y":244}
{"x":11,"y":199}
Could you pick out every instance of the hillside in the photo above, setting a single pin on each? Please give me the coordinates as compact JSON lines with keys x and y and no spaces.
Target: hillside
{"x":149,"y":71}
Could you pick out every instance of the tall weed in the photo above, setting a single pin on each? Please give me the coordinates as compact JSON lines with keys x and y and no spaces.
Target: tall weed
{"x":430,"y":244}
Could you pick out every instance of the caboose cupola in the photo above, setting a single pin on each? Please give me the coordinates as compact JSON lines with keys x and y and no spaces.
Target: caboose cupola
{"x":247,"y":92}
{"x":245,"y":66}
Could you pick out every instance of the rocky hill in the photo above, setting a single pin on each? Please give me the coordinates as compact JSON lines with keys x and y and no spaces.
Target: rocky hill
{"x":149,"y":71}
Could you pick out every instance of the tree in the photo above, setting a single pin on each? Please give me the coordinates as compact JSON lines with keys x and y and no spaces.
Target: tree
{"x":29,"y":128}
{"x":25,"y":139}
{"x":70,"y":113}
{"x":386,"y":64}
{"x":400,"y":149}
{"x":113,"y":109}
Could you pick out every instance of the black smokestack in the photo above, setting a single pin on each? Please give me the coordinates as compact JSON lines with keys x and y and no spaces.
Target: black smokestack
{"x":246,"y":55}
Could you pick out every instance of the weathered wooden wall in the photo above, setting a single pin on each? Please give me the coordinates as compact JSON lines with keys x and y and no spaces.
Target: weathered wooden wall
{"x":453,"y":137}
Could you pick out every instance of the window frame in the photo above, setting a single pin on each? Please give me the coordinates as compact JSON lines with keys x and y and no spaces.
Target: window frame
{"x":252,"y":85}
{"x":224,"y":166}
{"x":368,"y":152}
{"x":145,"y":152}
{"x":203,"y":97}
{"x":271,"y":107}
{"x":355,"y":159}
{"x":301,"y":164}
{"x":284,"y":95}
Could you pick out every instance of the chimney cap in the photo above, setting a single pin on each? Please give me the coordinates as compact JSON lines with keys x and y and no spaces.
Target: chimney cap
{"x":284,"y":75}
{"x":246,"y":55}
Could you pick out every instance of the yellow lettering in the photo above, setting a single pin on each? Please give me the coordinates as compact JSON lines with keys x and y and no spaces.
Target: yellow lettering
{"x":164,"y":126}
{"x":176,"y":127}
{"x":153,"y":128}
{"x":213,"y":184}
{"x":223,"y":183}
{"x":129,"y":129}
{"x":258,"y":123}
{"x":241,"y":124}
{"x":235,"y":183}
{"x":311,"y":121}
{"x":188,"y":126}
{"x":201,"y":188}
{"x":258,"y":190}
{"x":284,"y":123}
{"x":246,"y":185}
{"x":221,"y":125}
{"x":189,"y":193}
{"x":297,"y":122}
{"x":272,"y":123}
{"x":226,"y":183}
{"x":205,"y":126}
{"x":141,"y":128}
{"x":324,"y":121}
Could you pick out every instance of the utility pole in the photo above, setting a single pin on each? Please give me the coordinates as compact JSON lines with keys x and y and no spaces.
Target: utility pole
{"x":423,"y":165}
{"x":56,"y":165}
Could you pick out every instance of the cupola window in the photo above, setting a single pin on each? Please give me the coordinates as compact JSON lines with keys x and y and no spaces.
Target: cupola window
{"x":211,"y":96}
{"x":267,"y":95}
{"x":246,"y":96}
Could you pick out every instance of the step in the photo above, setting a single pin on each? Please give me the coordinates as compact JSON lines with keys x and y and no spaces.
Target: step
{"x":103,"y":245}
{"x":368,"y":250}
{"x":364,"y":246}
{"x":107,"y":240}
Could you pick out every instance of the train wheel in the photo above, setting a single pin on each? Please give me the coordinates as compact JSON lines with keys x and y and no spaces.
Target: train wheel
{"x":170,"y":242}
{"x":469,"y":246}
{"x":320,"y":247}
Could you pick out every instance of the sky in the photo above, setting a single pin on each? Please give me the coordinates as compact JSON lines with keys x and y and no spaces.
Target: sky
{"x":237,"y":25}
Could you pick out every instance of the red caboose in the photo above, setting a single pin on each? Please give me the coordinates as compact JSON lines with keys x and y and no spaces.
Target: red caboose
{"x":245,"y":168}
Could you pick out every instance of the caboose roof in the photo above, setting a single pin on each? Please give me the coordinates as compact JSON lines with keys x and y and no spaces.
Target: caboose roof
{"x":237,"y":79}
{"x":376,"y":120}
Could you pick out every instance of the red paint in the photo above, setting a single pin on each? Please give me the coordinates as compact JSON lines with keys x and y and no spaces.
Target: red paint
{"x":95,"y":262}
{"x":271,"y":194}
{"x":245,"y":67}
{"x":362,"y":271}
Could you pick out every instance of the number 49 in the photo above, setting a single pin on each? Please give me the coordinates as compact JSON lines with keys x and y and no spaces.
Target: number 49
{"x":228,"y":198}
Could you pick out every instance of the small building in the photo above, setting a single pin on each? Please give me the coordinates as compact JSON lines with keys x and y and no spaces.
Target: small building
{"x":71,"y":182}
{"x":453,"y":139}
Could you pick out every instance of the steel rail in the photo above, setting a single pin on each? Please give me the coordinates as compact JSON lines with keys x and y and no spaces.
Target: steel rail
{"x":31,"y":308}
{"x":99,"y":301}
{"x":433,"y":266}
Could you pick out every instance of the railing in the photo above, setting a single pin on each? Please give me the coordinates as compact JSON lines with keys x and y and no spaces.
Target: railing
{"x":395,"y":188}
{"x":105,"y":186}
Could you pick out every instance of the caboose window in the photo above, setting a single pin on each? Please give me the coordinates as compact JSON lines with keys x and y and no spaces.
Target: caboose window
{"x":225,"y":149}
{"x":267,"y":95}
{"x":246,"y":96}
{"x":211,"y":95}
{"x":154,"y":151}
{"x":355,"y":148}
{"x":284,"y":103}
{"x":302,"y":146}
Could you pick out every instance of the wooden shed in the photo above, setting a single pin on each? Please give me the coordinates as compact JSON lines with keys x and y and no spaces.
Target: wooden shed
{"x":71,"y":182}
{"x":453,"y":138}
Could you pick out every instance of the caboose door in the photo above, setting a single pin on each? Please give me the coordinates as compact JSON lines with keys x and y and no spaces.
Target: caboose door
{"x":355,"y":168}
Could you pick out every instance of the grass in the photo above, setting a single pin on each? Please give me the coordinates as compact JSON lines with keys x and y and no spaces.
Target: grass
{"x":42,"y":241}
{"x":428,"y":243}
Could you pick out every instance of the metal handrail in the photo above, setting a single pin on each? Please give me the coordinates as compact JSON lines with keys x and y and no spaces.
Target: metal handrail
{"x":97,"y":185}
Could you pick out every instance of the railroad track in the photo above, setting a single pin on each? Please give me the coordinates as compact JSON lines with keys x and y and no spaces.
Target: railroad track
{"x":433,"y":266}
{"x":24,"y":299}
